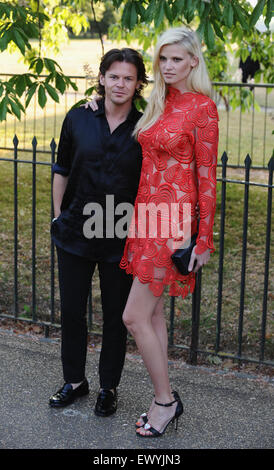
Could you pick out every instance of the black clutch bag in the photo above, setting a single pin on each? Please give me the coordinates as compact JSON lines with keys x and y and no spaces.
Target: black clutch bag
{"x":181,"y":257}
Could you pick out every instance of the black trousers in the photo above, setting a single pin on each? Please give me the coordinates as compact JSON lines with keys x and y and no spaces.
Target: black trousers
{"x":75,"y":276}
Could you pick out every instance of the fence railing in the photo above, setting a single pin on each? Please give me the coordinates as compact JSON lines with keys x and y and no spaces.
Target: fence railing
{"x":11,"y":269}
{"x":241,"y":133}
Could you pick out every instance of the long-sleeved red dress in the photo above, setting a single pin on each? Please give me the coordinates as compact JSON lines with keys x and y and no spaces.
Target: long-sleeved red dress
{"x":179,"y":167}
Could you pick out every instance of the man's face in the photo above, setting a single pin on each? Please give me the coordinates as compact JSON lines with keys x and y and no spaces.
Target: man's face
{"x":120,"y":82}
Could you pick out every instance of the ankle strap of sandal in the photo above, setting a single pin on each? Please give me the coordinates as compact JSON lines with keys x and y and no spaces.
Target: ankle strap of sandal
{"x":165,"y":404}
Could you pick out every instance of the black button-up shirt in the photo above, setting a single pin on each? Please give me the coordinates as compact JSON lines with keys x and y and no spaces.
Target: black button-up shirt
{"x":98,"y":163}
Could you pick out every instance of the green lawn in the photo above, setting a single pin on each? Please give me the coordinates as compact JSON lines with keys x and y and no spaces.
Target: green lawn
{"x":239,"y":133}
{"x":232,"y":264}
{"x":46,"y":124}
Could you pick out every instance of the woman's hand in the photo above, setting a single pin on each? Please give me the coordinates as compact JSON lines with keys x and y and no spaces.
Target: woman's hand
{"x":201,"y":259}
{"x":93,"y":103}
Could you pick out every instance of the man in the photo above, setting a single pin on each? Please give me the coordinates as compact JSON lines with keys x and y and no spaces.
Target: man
{"x":97,"y":157}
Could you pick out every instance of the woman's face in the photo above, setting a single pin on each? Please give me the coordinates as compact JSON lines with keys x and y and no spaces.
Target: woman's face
{"x":175,"y":65}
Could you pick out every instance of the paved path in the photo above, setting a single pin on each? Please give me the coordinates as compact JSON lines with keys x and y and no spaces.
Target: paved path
{"x":222,"y":410}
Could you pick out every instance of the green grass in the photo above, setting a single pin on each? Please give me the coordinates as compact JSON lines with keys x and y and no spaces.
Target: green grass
{"x":46,"y":124}
{"x":252,"y":135}
{"x":232,"y":265}
{"x":254,"y":282}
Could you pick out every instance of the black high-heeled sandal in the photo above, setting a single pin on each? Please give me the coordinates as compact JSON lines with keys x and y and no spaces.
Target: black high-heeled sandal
{"x":179,"y":410}
{"x":144,"y":415}
{"x":144,"y":418}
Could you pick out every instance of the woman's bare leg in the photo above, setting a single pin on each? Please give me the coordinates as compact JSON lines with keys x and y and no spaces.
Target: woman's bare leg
{"x":159,"y":326}
{"x":137,"y":317}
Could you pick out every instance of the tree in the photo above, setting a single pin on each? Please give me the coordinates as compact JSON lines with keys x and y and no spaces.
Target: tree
{"x":221,"y":24}
{"x":226,"y":25}
{"x":44,"y":20}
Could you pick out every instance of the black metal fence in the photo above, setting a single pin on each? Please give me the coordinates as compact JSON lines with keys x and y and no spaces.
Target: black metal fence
{"x":198,"y":297}
{"x":241,"y":133}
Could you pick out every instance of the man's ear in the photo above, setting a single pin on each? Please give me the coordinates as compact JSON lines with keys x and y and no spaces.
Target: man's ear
{"x":138,"y":84}
{"x":102,"y":79}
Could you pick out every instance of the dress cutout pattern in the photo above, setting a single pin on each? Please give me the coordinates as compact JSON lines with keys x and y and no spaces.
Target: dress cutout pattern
{"x":179,"y":166}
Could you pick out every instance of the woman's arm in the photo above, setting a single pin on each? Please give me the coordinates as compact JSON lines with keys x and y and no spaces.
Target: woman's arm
{"x":200,"y":259}
{"x":206,"y":149}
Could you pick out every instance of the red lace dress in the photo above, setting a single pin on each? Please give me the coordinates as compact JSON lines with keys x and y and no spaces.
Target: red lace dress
{"x":179,"y":167}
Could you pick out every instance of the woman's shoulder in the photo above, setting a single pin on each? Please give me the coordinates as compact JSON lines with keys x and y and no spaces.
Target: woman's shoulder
{"x":203,"y":99}
{"x":193,"y":97}
{"x":207,"y":104}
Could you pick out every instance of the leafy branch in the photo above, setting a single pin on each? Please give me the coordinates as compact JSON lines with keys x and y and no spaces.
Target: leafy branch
{"x":221,"y":24}
{"x":29,"y":83}
{"x":17,"y":25}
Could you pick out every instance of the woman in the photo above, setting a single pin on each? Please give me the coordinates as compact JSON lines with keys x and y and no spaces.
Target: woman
{"x":178,"y":133}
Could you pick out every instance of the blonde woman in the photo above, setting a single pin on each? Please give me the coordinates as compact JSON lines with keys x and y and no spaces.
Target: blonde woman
{"x":178,"y":133}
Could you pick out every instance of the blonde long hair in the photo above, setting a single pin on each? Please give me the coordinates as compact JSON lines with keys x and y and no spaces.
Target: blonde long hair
{"x":197,"y":81}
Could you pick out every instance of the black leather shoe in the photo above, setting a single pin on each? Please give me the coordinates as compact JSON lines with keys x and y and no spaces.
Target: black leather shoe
{"x":106,"y":403}
{"x":66,"y":395}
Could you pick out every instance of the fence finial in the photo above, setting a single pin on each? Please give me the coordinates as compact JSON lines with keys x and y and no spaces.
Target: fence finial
{"x":53,"y":145}
{"x":247,"y":161}
{"x":15,"y":140}
{"x":224,"y":158}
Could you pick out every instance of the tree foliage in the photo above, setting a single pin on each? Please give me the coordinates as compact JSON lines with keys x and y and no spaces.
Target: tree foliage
{"x":226,"y":26}
{"x":222,"y":25}
{"x":20,"y":22}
